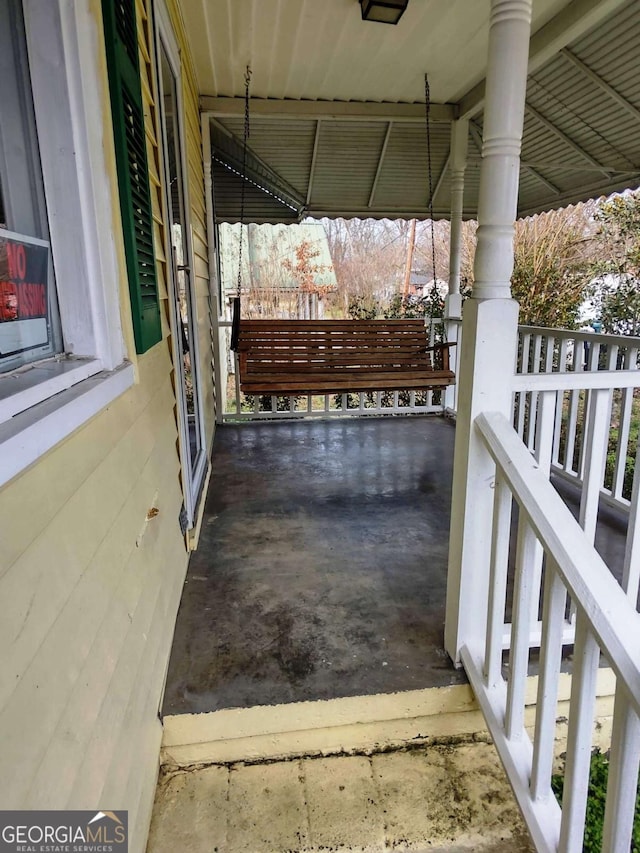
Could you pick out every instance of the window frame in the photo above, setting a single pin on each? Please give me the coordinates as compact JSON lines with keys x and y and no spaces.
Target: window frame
{"x":48,"y":400}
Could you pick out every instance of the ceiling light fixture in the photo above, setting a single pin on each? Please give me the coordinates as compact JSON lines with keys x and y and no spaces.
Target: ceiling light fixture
{"x":383,"y":11}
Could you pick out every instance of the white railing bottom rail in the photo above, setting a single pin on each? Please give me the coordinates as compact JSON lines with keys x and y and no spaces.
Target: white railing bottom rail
{"x":550,"y":540}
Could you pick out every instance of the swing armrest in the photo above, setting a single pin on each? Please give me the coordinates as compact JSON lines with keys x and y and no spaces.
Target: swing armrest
{"x":444,"y":350}
{"x":442,"y":346}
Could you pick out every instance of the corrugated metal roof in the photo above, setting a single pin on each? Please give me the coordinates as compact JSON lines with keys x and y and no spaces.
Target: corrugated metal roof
{"x":321,"y":49}
{"x":579,"y":139}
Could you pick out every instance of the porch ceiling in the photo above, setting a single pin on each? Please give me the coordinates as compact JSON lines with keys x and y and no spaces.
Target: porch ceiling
{"x":338,"y":112}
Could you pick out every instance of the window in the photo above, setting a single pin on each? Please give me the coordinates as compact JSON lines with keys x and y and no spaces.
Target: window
{"x":29,"y":320}
{"x":58,"y":206}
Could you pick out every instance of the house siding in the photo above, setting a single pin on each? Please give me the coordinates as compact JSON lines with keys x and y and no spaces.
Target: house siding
{"x":90,"y":579}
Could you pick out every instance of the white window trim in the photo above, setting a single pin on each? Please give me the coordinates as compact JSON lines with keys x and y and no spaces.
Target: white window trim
{"x":28,"y":435}
{"x":66,"y":59}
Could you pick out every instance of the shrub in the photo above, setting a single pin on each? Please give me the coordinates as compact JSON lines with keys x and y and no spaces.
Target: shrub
{"x":594,"y":822}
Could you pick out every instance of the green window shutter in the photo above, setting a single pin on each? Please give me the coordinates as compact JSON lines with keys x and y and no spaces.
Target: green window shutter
{"x":133,"y":178}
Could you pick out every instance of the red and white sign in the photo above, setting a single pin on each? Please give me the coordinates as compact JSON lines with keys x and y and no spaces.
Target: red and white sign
{"x":24,"y":295}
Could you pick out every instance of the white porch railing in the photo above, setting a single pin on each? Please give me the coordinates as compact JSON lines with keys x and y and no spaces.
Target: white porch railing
{"x":589,"y":415}
{"x":562,"y":351}
{"x":353,"y":404}
{"x":549,"y":538}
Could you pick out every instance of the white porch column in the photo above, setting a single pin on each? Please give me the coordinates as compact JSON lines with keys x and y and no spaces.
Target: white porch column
{"x":453,"y":301}
{"x":489,"y":339}
{"x":459,"y":137}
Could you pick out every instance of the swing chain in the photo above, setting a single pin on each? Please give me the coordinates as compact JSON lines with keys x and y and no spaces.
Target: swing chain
{"x":427,"y":104}
{"x":247,"y":81}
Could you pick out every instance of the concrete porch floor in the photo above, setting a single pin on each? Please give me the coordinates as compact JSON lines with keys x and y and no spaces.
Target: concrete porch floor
{"x":439,"y":798}
{"x":321,"y":568}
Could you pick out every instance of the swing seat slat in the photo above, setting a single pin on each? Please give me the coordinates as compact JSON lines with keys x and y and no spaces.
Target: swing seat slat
{"x":289,"y":357}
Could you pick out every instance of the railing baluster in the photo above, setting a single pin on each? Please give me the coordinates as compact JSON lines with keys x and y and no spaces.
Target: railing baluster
{"x":626,"y":405}
{"x":520,"y":628}
{"x":594,"y":443}
{"x":574,"y":405}
{"x":562,"y":368}
{"x":576,"y":777}
{"x":591,"y":366}
{"x":522,"y":396}
{"x":533,"y":398}
{"x":544,"y":445}
{"x":623,"y":776}
{"x":502,"y":503}
{"x":631,"y":565}
{"x":554,"y":602}
{"x":545,"y":429}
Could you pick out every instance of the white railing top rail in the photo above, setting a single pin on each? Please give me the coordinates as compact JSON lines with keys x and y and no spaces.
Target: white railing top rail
{"x":613,"y":619}
{"x":583,"y":379}
{"x":580,"y":335}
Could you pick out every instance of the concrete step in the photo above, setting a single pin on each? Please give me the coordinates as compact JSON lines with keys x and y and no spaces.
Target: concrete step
{"x":452,"y":796}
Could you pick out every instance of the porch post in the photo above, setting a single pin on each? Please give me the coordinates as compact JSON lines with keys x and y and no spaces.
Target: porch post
{"x":218,"y":339}
{"x":459,"y":136}
{"x":453,"y":301}
{"x":489,"y":331}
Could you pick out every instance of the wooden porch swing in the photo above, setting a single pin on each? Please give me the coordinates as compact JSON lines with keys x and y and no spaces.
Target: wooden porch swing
{"x":302,"y":357}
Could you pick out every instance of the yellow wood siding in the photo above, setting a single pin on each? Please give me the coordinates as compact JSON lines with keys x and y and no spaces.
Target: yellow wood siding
{"x":90,"y":585}
{"x":91,"y":591}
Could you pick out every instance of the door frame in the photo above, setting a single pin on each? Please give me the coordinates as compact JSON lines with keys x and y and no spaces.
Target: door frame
{"x":193,"y":473}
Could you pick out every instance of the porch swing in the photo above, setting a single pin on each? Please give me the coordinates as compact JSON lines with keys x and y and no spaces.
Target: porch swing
{"x":303,"y":357}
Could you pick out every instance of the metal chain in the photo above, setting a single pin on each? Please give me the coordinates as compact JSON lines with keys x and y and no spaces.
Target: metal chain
{"x":247,"y":81}
{"x":427,"y":105}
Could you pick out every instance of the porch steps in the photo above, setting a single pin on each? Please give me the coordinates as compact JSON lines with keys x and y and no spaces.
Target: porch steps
{"x":412,"y":771}
{"x":349,"y":725}
{"x":352,"y":724}
{"x":452,"y":797}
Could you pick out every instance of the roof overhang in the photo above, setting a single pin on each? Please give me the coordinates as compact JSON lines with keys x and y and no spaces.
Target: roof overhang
{"x":321,"y":145}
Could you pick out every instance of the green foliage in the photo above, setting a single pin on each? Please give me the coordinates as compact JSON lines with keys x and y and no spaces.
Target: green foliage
{"x":398,"y":307}
{"x":619,"y":219}
{"x":264,"y":403}
{"x":551,"y":267}
{"x":364,"y":308}
{"x":594,"y":822}
{"x":619,"y":307}
{"x":616,"y":296}
{"x":634,"y":433}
